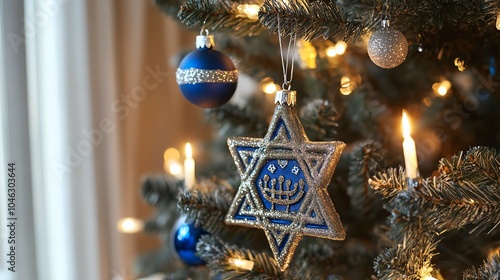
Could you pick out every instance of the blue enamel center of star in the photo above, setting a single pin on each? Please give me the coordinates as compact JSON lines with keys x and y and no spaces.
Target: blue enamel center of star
{"x":281,"y":185}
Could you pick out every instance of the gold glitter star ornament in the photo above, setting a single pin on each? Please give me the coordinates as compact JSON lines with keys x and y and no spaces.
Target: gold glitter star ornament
{"x":284,"y":179}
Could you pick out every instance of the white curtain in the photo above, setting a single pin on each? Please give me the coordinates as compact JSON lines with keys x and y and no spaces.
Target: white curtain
{"x":72,"y":135}
{"x":88,"y":104}
{"x":58,"y":83}
{"x":18,"y":263}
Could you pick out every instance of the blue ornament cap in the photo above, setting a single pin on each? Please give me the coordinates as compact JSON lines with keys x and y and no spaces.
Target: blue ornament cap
{"x":206,"y":77}
{"x":185,"y":235}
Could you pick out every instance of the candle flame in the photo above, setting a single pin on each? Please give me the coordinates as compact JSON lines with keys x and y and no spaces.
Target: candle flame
{"x":406,"y":125}
{"x":189,"y":150}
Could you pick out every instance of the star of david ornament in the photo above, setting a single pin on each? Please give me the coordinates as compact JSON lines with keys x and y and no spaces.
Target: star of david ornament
{"x":284,"y":179}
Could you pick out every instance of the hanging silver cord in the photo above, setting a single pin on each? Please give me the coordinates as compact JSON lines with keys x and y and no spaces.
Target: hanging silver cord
{"x":286,"y":62}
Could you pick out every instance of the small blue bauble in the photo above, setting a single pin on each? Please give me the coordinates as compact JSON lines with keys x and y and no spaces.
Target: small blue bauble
{"x":206,"y":77}
{"x":185,"y":236}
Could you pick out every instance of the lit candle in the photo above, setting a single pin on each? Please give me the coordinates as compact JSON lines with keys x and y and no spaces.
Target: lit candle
{"x":409,"y":149}
{"x":189,"y":179}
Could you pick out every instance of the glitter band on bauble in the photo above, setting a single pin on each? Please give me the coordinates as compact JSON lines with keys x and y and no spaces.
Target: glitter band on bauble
{"x":197,"y":76}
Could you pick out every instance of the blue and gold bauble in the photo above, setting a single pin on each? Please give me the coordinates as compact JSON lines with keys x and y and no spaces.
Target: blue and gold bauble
{"x":206,"y":77}
{"x":284,"y":177}
{"x":185,"y":235}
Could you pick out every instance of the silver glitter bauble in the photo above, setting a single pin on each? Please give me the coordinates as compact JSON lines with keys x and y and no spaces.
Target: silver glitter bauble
{"x":387,"y":47}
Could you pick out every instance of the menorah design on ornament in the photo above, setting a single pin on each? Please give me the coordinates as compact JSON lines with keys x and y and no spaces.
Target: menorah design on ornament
{"x":281,"y":195}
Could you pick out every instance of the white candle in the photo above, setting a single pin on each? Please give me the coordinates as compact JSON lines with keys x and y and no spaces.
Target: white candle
{"x":409,"y":150}
{"x":189,"y":178}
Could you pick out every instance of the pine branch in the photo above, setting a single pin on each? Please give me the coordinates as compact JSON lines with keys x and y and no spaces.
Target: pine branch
{"x":432,"y":25}
{"x":320,"y":119}
{"x":467,"y":192}
{"x":220,"y":15}
{"x":160,"y":190}
{"x":481,"y":167}
{"x":367,"y":159}
{"x":257,"y":56}
{"x":489,"y":270}
{"x":170,"y":7}
{"x":238,"y":121}
{"x":316,"y":261}
{"x":217,"y":254}
{"x":207,"y":205}
{"x":411,"y":261}
{"x":389,"y":183}
{"x":309,"y":20}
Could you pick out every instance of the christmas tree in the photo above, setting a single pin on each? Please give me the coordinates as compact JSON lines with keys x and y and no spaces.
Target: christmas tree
{"x":359,"y":64}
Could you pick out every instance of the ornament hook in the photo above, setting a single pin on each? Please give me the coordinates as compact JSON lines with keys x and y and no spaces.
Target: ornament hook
{"x":204,"y":40}
{"x":287,"y":81}
{"x":204,"y":31}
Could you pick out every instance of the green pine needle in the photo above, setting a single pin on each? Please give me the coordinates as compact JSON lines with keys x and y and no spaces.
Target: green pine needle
{"x":217,"y":254}
{"x":207,"y":204}
{"x":466,"y":193}
{"x":317,"y":19}
{"x":220,"y":15}
{"x":367,"y":159}
{"x":411,"y":261}
{"x":489,"y":270}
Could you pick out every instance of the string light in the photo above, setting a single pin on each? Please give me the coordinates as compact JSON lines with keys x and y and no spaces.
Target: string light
{"x":442,"y":88}
{"x":268,"y":86}
{"x":240,"y":263}
{"x":130,"y":225}
{"x":345,"y":85}
{"x":307,"y":53}
{"x":348,"y":84}
{"x":427,"y":101}
{"x":460,"y":63}
{"x":338,"y":49}
{"x":331,"y":51}
{"x":251,"y":11}
{"x":498,"y":22}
